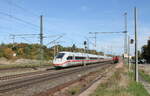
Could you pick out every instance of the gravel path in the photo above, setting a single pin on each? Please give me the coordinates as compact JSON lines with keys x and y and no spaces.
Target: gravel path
{"x":91,"y":89}
{"x":146,"y":68}
{"x":145,"y":84}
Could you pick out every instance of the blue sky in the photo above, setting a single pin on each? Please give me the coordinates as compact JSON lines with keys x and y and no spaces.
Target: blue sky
{"x":75,"y":19}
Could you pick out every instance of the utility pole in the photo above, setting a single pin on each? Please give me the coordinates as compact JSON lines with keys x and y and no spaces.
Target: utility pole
{"x":136,"y":40}
{"x":85,"y":51}
{"x":54,"y":42}
{"x":57,"y":48}
{"x":41,"y":37}
{"x":129,"y":64}
{"x":126,"y":46}
{"x":13,"y":38}
{"x":124,"y":32}
{"x":126,"y":37}
{"x":54,"y":50}
{"x":95,"y":38}
{"x":88,"y":43}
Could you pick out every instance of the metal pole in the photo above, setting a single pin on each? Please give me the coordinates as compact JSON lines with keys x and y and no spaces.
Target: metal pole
{"x":13,"y":37}
{"x":54,"y":49}
{"x":85,"y":58}
{"x":13,"y":40}
{"x":57,"y":47}
{"x":126,"y":38}
{"x":41,"y":36}
{"x":95,"y":40}
{"x":85,"y":47}
{"x":88,"y":45}
{"x":136,"y":51}
{"x":129,"y":53}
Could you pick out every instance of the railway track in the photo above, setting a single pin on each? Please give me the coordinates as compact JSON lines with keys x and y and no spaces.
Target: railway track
{"x":29,"y":74}
{"x":53,"y":90}
{"x":23,"y":74}
{"x":22,"y":82}
{"x":102,"y":75}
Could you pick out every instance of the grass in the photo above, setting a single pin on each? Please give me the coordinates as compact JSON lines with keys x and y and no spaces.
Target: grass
{"x":23,"y":65}
{"x":144,"y":75}
{"x":121,"y":84}
{"x":137,"y":89}
{"x":74,"y":90}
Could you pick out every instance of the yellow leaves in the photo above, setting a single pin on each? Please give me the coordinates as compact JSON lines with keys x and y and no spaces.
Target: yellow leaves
{"x":8,"y":53}
{"x":21,"y":51}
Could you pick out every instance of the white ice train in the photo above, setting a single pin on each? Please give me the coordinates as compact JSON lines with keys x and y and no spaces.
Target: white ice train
{"x":67,"y":59}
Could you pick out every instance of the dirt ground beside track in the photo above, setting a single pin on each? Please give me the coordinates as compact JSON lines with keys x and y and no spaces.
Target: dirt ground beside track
{"x":19,"y":66}
{"x":145,"y":67}
{"x":75,"y":88}
{"x":107,"y":76}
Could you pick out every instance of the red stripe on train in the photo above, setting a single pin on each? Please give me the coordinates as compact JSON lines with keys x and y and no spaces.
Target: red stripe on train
{"x":74,"y":61}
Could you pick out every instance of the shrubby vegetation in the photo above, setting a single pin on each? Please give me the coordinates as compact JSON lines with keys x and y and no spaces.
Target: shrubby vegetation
{"x":32,"y":51}
{"x":121,"y":83}
{"x":145,"y":53}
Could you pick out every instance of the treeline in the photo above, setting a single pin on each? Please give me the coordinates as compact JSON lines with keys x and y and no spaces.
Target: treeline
{"x":32,"y":51}
{"x":145,"y":53}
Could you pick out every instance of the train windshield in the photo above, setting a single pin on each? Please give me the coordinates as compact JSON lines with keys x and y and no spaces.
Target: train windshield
{"x":60,"y":55}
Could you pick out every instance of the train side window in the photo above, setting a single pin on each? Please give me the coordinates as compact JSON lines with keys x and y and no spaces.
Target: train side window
{"x":69,"y":58}
{"x":93,"y":58}
{"x":80,"y":58}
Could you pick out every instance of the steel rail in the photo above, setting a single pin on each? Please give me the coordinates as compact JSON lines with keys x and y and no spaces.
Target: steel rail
{"x":11,"y":85}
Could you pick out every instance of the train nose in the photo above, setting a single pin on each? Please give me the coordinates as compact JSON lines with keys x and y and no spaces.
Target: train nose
{"x":57,"y":61}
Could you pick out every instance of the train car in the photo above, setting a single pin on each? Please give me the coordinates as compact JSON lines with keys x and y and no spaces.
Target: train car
{"x":115,"y":59}
{"x":67,"y":59}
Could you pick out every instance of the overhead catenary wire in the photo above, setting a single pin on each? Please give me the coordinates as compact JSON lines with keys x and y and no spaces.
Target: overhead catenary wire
{"x":10,"y":29}
{"x":55,"y":40}
{"x":10,"y":15}
{"x":26,"y":39}
{"x":34,"y":26}
{"x":18,"y":19}
{"x":11,"y":3}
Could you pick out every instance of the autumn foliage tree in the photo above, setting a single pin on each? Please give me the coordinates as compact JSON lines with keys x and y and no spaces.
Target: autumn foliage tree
{"x":32,"y":51}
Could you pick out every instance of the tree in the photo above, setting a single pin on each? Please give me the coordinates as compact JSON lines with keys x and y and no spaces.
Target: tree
{"x":145,"y":53}
{"x":32,"y":51}
{"x":8,"y":53}
{"x":73,"y":47}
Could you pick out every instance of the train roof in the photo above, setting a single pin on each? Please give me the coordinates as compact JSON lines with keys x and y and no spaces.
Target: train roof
{"x":82,"y":54}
